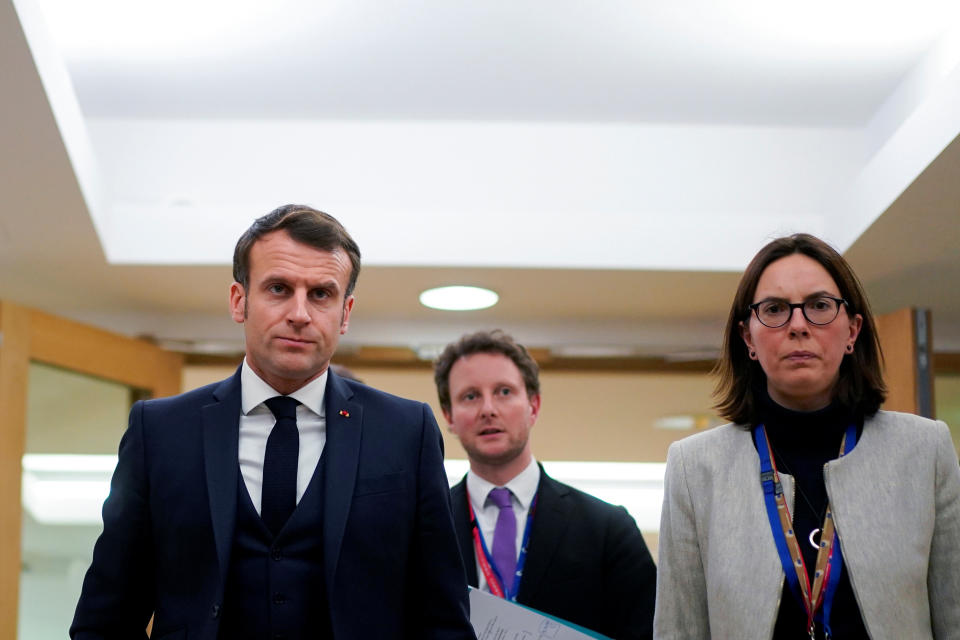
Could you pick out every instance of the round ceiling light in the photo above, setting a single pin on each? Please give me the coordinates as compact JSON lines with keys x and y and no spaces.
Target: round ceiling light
{"x":458,"y":298}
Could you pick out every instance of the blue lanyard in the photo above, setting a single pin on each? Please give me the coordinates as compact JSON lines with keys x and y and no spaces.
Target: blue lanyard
{"x":794,"y":568}
{"x":494,"y":580}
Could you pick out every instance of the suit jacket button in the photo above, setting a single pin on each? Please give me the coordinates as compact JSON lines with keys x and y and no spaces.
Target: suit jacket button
{"x":215,"y":611}
{"x":278,"y":598}
{"x":276,"y":554}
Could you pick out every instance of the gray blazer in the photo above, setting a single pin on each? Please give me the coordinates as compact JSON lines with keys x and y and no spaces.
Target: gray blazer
{"x":896,"y":504}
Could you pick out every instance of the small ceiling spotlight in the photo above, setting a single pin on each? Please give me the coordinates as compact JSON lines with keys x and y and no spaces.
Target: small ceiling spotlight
{"x":458,"y":298}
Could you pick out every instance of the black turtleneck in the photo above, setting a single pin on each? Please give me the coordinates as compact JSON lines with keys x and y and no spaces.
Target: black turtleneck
{"x":803,"y":442}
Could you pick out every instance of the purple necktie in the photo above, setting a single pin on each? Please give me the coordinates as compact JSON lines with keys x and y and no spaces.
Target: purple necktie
{"x":505,"y":538}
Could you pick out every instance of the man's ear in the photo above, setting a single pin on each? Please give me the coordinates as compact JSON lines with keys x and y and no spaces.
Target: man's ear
{"x":345,"y":318}
{"x":238,"y":303}
{"x":534,"y":408}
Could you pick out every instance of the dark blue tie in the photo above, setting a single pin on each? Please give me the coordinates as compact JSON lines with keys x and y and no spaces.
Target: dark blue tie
{"x":279,"y":497}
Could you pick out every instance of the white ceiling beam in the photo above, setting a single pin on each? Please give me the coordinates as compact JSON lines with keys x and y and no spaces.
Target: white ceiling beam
{"x":919,"y":120}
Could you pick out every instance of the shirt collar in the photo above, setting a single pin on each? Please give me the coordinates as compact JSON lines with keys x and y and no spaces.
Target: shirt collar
{"x":523,"y":486}
{"x":253,"y":391}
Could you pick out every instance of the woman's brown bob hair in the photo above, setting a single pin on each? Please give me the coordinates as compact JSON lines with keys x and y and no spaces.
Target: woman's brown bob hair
{"x":742,"y":383}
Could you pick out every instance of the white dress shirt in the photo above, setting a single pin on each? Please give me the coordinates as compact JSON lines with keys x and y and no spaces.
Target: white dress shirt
{"x":256,"y":423}
{"x":523,"y":489}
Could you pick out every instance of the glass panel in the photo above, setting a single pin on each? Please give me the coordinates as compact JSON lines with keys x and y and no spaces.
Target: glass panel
{"x":67,"y":413}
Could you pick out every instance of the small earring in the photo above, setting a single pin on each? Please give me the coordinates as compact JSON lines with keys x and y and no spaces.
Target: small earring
{"x":849,"y":348}
{"x":753,"y":354}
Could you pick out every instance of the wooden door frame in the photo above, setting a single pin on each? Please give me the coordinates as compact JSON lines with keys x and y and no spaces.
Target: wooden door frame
{"x":28,"y":335}
{"x":897,"y":331}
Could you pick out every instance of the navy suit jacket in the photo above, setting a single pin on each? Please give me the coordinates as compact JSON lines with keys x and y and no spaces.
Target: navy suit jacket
{"x":393,"y":569}
{"x":586,"y":561}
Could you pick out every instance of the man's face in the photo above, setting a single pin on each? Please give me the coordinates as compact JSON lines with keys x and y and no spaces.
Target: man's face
{"x":490,"y":411}
{"x":294,"y":310}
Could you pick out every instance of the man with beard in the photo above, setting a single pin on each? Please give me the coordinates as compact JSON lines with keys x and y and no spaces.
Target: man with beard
{"x":524,"y":536}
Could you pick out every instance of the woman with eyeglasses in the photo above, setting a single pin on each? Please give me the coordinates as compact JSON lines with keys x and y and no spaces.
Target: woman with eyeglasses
{"x":813,"y":514}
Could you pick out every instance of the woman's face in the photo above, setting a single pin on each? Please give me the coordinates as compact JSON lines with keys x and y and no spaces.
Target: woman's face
{"x":801,"y":360}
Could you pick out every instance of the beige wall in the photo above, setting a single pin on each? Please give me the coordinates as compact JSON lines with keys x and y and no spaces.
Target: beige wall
{"x":194,"y":376}
{"x":585,"y":415}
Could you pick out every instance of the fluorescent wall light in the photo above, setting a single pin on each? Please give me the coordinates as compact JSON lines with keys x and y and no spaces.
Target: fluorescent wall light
{"x":66,"y":489}
{"x":458,"y":298}
{"x":678,"y":423}
{"x":683,"y":422}
{"x":43,"y":463}
{"x":70,"y":489}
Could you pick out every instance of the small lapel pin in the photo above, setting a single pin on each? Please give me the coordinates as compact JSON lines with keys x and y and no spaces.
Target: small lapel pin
{"x":344,"y":413}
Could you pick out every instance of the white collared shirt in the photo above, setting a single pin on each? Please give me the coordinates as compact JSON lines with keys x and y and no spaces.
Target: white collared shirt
{"x":523,"y":489}
{"x":256,"y":423}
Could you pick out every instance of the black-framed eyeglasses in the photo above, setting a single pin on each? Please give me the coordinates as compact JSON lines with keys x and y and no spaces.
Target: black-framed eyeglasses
{"x":819,"y":311}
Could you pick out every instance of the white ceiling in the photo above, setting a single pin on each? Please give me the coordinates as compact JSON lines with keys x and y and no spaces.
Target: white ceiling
{"x":825,"y":63}
{"x":607,"y":167}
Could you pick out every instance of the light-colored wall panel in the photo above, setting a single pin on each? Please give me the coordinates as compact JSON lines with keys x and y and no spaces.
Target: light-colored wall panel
{"x":585,"y":416}
{"x":947,"y":396}
{"x":197,"y":376}
{"x":53,"y":420}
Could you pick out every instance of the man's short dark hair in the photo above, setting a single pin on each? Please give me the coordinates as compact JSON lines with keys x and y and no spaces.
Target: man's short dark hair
{"x":742,"y":382}
{"x":304,"y":224}
{"x":495,"y":341}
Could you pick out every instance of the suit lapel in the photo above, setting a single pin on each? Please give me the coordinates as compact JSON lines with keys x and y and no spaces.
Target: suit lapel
{"x":341,"y":459}
{"x":549,"y":527}
{"x":464,"y":528}
{"x":221,"y":441}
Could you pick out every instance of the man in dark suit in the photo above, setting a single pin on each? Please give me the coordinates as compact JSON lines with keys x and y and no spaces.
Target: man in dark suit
{"x":285,"y":501}
{"x":525,"y":536}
